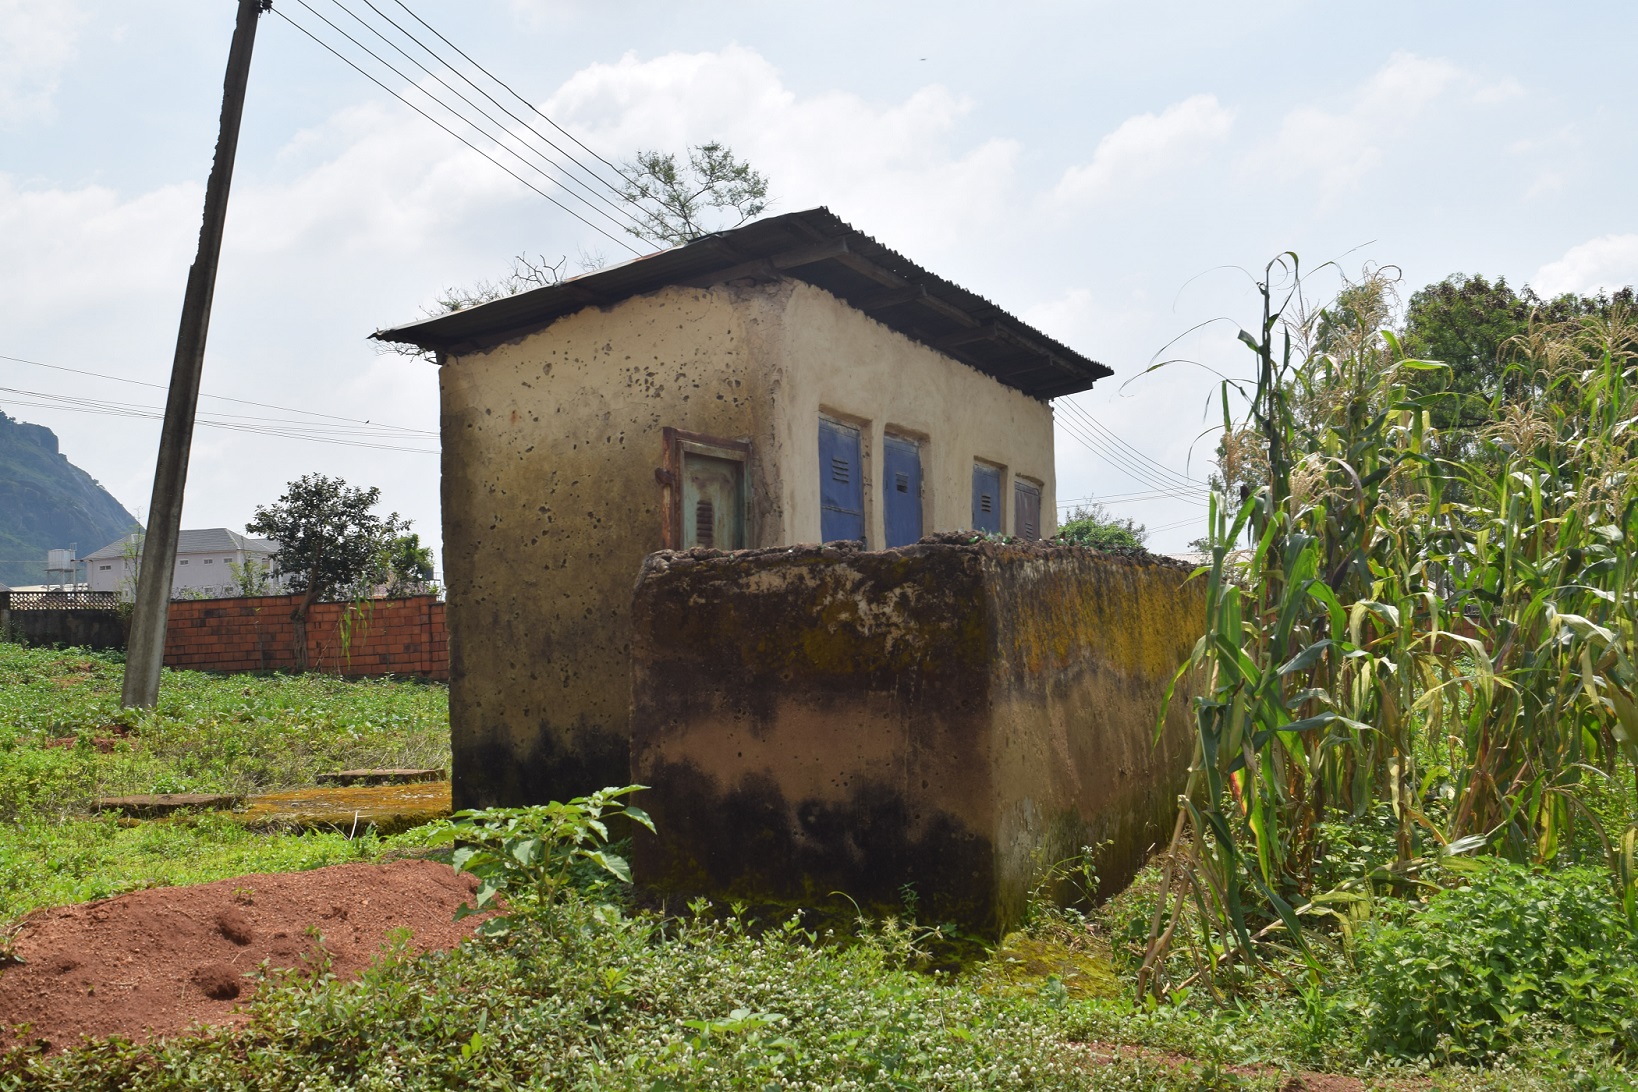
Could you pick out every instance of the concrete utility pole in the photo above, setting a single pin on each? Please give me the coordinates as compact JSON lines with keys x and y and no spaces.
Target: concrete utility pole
{"x":145,"y":651}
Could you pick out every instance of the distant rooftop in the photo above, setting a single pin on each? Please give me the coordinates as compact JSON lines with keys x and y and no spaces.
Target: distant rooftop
{"x":813,"y":246}
{"x":206,"y":540}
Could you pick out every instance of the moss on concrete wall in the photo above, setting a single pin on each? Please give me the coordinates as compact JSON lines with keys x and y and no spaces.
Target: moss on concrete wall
{"x":947,"y":716}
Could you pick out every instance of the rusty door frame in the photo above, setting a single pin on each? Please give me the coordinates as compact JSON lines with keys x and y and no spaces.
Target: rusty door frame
{"x":669,"y":475}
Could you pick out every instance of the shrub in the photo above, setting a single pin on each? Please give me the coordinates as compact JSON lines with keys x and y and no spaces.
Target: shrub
{"x":1467,"y":976}
{"x":1096,"y":528}
{"x":530,"y":856}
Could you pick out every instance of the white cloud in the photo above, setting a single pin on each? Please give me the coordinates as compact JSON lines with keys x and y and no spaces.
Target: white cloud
{"x":1342,"y":146}
{"x":1149,"y":145}
{"x":37,"y":38}
{"x":358,"y":221}
{"x":1605,"y":263}
{"x":89,"y":248}
{"x":874,"y":164}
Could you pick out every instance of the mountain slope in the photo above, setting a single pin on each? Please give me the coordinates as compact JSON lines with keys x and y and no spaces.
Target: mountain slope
{"x":47,"y":502}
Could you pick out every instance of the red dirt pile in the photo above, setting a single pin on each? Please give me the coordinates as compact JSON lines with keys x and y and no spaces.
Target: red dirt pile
{"x":154,"y":962}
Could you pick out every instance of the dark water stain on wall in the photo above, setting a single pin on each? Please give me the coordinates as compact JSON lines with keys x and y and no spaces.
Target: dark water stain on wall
{"x":950,"y":716}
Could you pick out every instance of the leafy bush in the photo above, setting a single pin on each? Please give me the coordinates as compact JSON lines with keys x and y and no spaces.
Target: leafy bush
{"x":1464,"y":977}
{"x":1095,"y":528}
{"x":529,"y":856}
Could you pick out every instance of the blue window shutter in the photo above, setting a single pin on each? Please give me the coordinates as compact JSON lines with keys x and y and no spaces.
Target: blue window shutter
{"x":901,"y":490}
{"x":1026,"y":512}
{"x":841,"y":483}
{"x":986,"y":498}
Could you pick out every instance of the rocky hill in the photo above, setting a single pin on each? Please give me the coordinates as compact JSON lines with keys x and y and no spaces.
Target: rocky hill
{"x":47,"y":502}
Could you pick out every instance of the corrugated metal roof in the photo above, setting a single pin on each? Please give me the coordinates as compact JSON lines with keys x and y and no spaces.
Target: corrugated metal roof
{"x":813,"y":246}
{"x":204,"y":540}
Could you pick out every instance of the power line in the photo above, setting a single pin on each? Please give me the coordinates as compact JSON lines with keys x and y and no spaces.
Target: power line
{"x":347,"y":61}
{"x":224,"y":398}
{"x":1139,"y":472}
{"x":1118,"y":500}
{"x":1132,"y":470}
{"x":230,"y":422}
{"x":570,"y":156}
{"x":531,"y":106}
{"x":1142,"y":471}
{"x":1098,"y":427}
{"x":500,"y":125}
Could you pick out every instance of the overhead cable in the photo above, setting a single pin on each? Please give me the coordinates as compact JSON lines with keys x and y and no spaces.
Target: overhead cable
{"x":1098,"y":427}
{"x":589,"y":171}
{"x":529,"y":105}
{"x":627,"y":225}
{"x":224,"y":398}
{"x":231,"y":422}
{"x":1125,"y":465}
{"x":351,"y":64}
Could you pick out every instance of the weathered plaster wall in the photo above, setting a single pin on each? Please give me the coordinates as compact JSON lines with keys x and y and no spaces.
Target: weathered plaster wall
{"x":550,"y":501}
{"x":550,"y":504}
{"x":1086,"y":645}
{"x":948,"y":716}
{"x":839,"y":361}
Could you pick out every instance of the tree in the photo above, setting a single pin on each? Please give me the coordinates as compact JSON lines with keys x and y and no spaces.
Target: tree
{"x":1096,"y":528}
{"x":1475,"y":327}
{"x":331,"y":543}
{"x":408,"y":565}
{"x":670,"y":205}
{"x":673,"y":204}
{"x":254,"y":577}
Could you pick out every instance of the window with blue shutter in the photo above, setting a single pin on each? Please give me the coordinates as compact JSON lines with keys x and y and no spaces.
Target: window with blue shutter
{"x":1026,"y":509}
{"x":986,"y":498}
{"x":841,"y":483}
{"x":901,"y":489}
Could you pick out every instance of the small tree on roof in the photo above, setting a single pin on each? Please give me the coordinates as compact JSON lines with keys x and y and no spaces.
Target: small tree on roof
{"x":331,"y":543}
{"x":673,"y":203}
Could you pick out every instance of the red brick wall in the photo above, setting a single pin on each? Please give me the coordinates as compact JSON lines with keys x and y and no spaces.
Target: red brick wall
{"x":388,"y":636}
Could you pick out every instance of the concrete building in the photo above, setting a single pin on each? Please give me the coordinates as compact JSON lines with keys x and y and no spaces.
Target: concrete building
{"x":205,"y":562}
{"x":790,"y":381}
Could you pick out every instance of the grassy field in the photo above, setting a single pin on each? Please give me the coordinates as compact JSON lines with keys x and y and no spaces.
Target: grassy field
{"x":64,"y":741}
{"x":595,"y":994}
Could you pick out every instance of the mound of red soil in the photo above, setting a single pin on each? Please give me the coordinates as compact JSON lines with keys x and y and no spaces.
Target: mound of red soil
{"x":154,"y":962}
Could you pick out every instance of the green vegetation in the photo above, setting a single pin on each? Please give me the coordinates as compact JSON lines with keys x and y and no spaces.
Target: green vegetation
{"x":1409,"y":851}
{"x":1424,"y":651}
{"x":1093,"y":526}
{"x":64,"y":741}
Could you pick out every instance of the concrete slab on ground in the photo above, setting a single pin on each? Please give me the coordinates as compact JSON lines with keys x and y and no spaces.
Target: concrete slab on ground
{"x":387,"y":808}
{"x":155,"y":804}
{"x":381,"y":777}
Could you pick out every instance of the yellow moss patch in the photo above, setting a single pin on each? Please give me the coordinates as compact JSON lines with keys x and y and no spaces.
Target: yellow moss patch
{"x":388,"y":808}
{"x":1085,"y":968}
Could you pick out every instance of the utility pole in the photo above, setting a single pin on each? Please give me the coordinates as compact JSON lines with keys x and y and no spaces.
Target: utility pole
{"x":145,"y":651}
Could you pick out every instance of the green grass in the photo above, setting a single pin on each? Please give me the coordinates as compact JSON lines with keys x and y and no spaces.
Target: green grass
{"x":64,"y":741}
{"x":588,"y":995}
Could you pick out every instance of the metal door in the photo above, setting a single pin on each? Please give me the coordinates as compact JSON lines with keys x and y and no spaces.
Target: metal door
{"x":841,"y":483}
{"x":986,"y":498}
{"x":713,"y":502}
{"x":901,"y":477}
{"x":1026,"y":509}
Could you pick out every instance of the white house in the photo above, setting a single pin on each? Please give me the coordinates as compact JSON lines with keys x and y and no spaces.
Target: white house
{"x":206,"y":563}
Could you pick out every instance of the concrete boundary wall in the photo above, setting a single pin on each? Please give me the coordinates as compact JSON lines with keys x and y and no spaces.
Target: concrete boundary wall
{"x":82,"y":627}
{"x":947,"y":716}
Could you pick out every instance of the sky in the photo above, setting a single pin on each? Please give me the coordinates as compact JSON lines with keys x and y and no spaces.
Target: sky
{"x":1118,"y":175}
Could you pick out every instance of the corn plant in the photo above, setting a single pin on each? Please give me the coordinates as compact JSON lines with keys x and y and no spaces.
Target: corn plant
{"x":1441,"y":622}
